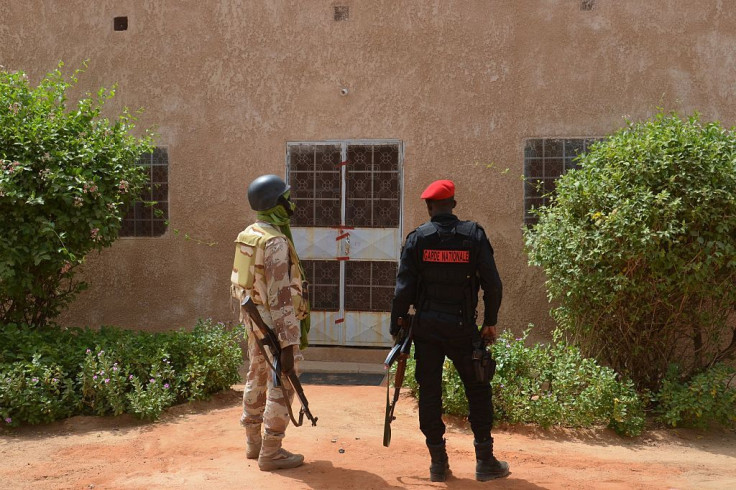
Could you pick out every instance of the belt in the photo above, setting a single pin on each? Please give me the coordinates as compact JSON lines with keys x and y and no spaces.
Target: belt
{"x":453,"y":309}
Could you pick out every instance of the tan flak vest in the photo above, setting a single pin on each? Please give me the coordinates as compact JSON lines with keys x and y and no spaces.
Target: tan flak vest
{"x":249,"y":267}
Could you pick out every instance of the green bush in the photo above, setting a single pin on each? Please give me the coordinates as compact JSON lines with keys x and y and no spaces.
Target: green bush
{"x":150,"y":397}
{"x":548,"y":385}
{"x":67,"y":177}
{"x":51,"y":373}
{"x":103,"y":383}
{"x":707,"y":399}
{"x":34,"y":393}
{"x":639,"y":252}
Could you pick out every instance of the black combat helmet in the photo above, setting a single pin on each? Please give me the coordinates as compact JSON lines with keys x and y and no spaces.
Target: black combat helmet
{"x":264,"y":192}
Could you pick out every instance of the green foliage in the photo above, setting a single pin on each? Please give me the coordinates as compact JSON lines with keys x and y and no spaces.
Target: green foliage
{"x":549,"y":385}
{"x":103,"y":383}
{"x":555,"y":384}
{"x":51,"y":373}
{"x":639,"y":252}
{"x":67,"y":177}
{"x":709,"y":398}
{"x":150,"y":397}
{"x":32,"y":392}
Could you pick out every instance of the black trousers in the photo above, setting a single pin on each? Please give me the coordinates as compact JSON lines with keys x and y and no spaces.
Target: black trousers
{"x":433,"y":340}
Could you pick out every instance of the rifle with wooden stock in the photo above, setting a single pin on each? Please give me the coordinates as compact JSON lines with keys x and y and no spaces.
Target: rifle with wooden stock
{"x":268,"y":338}
{"x":399,"y":353}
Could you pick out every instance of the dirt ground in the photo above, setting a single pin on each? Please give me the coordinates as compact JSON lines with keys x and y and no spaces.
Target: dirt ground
{"x":201,"y":445}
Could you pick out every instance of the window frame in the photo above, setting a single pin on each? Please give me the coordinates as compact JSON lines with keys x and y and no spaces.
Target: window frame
{"x":140,"y":206}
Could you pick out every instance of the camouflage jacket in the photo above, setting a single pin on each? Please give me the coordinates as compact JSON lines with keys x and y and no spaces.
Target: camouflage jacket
{"x":266,"y":267}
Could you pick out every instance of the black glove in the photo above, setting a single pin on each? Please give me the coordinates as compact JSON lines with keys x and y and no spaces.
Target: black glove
{"x":287,"y":359}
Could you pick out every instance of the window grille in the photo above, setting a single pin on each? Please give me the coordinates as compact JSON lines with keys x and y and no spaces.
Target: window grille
{"x":369,"y":286}
{"x":545,"y":160}
{"x":324,"y":284}
{"x":148,"y":216}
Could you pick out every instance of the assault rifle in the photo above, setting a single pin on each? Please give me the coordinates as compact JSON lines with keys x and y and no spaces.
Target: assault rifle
{"x":399,"y":353}
{"x":268,"y":338}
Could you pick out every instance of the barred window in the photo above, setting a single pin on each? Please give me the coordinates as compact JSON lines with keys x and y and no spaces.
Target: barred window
{"x":545,"y":160}
{"x":369,"y":286}
{"x":148,"y":216}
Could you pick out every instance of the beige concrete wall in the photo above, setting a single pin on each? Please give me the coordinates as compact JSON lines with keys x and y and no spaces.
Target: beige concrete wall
{"x":462,"y":83}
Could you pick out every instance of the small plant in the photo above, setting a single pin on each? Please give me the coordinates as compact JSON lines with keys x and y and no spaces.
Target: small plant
{"x":103,"y":383}
{"x":709,"y":398}
{"x":208,"y":358}
{"x":151,"y":396}
{"x":33,"y":393}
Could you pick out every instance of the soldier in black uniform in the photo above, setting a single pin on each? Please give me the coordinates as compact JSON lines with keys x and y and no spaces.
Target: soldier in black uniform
{"x":443,"y":264}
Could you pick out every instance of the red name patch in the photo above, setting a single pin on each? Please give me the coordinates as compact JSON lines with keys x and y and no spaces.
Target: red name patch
{"x":451,"y":256}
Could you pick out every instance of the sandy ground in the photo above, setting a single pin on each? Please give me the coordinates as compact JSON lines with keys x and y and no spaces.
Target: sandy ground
{"x":201,"y":445}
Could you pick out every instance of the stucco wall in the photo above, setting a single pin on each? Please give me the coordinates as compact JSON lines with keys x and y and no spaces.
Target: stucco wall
{"x":227,"y":83}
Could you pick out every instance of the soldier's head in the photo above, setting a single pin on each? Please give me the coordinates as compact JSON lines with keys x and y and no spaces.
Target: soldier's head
{"x":269,"y":191}
{"x":440,"y":197}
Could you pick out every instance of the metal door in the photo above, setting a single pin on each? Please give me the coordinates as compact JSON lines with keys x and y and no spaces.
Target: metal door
{"x":347,"y":231}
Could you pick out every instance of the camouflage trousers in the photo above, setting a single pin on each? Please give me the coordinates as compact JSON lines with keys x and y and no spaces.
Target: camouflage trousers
{"x":264,"y":403}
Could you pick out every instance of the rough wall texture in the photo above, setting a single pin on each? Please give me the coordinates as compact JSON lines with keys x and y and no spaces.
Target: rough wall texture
{"x":462,"y":83}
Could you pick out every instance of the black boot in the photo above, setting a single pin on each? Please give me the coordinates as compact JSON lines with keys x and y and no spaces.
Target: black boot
{"x":440,"y":467}
{"x":487,"y":467}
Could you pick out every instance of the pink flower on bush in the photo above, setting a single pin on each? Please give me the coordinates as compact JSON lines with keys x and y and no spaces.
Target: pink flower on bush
{"x":11,"y":166}
{"x":94,"y":234}
{"x":64,"y":270}
{"x":123,"y":185}
{"x":107,"y":380}
{"x":166,"y":386}
{"x":8,"y":420}
{"x":94,"y":377}
{"x":153,"y":380}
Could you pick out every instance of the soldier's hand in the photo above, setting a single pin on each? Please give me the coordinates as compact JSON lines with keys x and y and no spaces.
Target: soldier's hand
{"x":488,"y":332}
{"x":287,"y":359}
{"x":395,"y":330}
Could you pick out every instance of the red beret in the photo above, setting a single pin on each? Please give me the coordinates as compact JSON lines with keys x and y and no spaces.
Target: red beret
{"x":439,"y":189}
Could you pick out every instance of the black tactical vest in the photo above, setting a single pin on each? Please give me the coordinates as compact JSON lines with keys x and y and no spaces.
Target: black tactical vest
{"x":447,"y":268}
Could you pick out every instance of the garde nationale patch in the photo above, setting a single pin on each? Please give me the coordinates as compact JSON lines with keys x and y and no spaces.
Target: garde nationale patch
{"x":447,"y":256}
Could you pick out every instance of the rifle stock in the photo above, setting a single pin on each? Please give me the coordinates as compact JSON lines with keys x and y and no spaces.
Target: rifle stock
{"x":270,"y":339}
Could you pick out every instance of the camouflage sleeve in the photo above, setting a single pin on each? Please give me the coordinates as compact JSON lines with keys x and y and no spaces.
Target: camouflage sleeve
{"x":278,"y":285}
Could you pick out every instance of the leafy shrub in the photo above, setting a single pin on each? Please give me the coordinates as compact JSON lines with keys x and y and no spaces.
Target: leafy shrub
{"x":67,"y":177}
{"x":103,"y":383}
{"x":51,"y":373}
{"x":708,"y":398}
{"x":209,"y":358}
{"x":34,"y":393}
{"x":150,"y":397}
{"x":548,"y":385}
{"x":639,"y":252}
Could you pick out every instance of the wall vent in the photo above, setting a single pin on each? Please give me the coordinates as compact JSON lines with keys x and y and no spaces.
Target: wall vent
{"x":587,"y":4}
{"x":342,"y":12}
{"x":120,"y":23}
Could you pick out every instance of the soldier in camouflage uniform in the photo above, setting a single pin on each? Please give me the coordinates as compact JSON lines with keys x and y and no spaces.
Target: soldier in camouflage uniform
{"x":267,"y":268}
